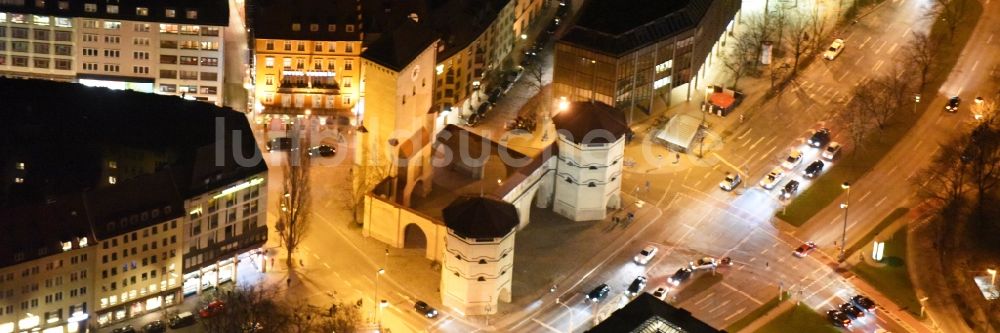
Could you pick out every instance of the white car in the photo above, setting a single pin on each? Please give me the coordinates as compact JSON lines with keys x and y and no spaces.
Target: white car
{"x":772,"y":179}
{"x":831,"y":151}
{"x":793,"y":159}
{"x":835,"y":48}
{"x":645,"y":255}
{"x":730,"y":182}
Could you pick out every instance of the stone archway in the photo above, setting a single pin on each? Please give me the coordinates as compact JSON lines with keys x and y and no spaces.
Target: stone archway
{"x":504,"y":295}
{"x":414,"y":237}
{"x":614,"y":201}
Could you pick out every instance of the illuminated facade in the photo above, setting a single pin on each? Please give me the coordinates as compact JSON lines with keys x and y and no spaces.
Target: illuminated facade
{"x":307,"y":64}
{"x":163,"y":47}
{"x":105,"y":247}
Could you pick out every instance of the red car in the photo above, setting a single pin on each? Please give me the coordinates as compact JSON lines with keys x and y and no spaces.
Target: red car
{"x":805,"y":249}
{"x":212,"y":309}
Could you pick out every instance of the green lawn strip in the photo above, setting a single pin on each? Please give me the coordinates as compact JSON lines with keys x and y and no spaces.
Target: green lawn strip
{"x":853,"y":165}
{"x":757,"y":313}
{"x":891,"y":278}
{"x":799,"y":319}
{"x":867,"y":239}
{"x":700,"y":282}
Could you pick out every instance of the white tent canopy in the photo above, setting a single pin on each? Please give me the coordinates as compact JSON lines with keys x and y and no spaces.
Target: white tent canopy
{"x":679,"y":131}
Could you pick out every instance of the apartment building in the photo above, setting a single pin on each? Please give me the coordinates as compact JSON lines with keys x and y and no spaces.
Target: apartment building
{"x":307,"y":57}
{"x":114,"y":228}
{"x":169,"y":47}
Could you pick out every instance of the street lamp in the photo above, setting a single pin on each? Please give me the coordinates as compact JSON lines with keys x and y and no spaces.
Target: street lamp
{"x":916,"y":100}
{"x":570,"y":328}
{"x":993,"y":275}
{"x":843,"y":236}
{"x":563,"y":103}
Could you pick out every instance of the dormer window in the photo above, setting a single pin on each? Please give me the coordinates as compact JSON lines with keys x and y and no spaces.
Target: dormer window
{"x":331,"y":27}
{"x":18,"y":180}
{"x":349,"y":28}
{"x":83,"y":242}
{"x":170,"y":13}
{"x":296,"y":26}
{"x":66,"y":246}
{"x":112,"y":9}
{"x":314,"y":27}
{"x":191,"y":14}
{"x":63,"y":5}
{"x":113,"y":164}
{"x":40,"y":3}
{"x":112,"y":180}
{"x":141,"y":11}
{"x":90,"y":7}
{"x":20,"y":165}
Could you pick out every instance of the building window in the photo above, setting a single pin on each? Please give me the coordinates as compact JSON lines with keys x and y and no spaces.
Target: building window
{"x":63,"y":5}
{"x":314,"y":27}
{"x":296,"y":27}
{"x":192,"y":14}
{"x":64,"y":50}
{"x":209,"y":31}
{"x":89,"y":66}
{"x":211,"y":46}
{"x":349,"y":48}
{"x":108,"y":53}
{"x":664,"y":66}
{"x":269,"y":80}
{"x":19,"y":46}
{"x":168,"y":59}
{"x":288,"y":46}
{"x":90,"y":52}
{"x":140,"y":69}
{"x":348,"y":65}
{"x":209,"y":61}
{"x":168,"y":74}
{"x":89,"y":37}
{"x":301,"y":46}
{"x":64,"y":22}
{"x":349,"y":28}
{"x":140,"y":55}
{"x":41,"y":48}
{"x":170,"y":13}
{"x":286,"y":63}
{"x":190,"y":29}
{"x":332,"y":46}
{"x":187,"y":60}
{"x":168,"y":88}
{"x":188,"y":75}
{"x":41,"y":63}
{"x":209,"y":76}
{"x":20,"y":33}
{"x":143,"y":41}
{"x":318,"y":47}
{"x":90,"y":7}
{"x":347,"y":82}
{"x":142,"y":27}
{"x":112,"y":180}
{"x":269,"y":45}
{"x":112,"y":39}
{"x":92,"y":24}
{"x":111,"y":68}
{"x":331,"y":27}
{"x":112,"y":9}
{"x":112,"y":25}
{"x":141,"y":11}
{"x":64,"y":36}
{"x":269,"y":62}
{"x":41,"y":34}
{"x":661,"y":83}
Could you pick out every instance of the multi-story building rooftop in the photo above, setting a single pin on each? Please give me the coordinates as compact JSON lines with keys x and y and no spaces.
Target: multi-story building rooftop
{"x":169,"y":47}
{"x":116,"y":203}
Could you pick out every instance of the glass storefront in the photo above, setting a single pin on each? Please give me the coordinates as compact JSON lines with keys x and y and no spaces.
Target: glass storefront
{"x":146,"y":87}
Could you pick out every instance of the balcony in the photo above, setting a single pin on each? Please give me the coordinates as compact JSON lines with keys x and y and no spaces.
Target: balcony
{"x":309,"y":87}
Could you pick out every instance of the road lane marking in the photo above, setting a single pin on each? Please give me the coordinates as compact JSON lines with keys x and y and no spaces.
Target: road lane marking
{"x":744,"y":135}
{"x":846,"y":72}
{"x":904,"y":33}
{"x":893,"y":48}
{"x":752,"y":259}
{"x":325,"y":265}
{"x":754,"y":144}
{"x":864,"y":43}
{"x":864,"y":196}
{"x":546,"y":325}
{"x":879,"y":203}
{"x":881,"y":46}
{"x":974,"y":65}
{"x":821,"y":289}
{"x":755,"y":300}
{"x":707,"y":297}
{"x":988,"y":40}
{"x":764,"y":251}
{"x":706,"y":175}
{"x":772,"y":140}
{"x":719,"y":306}
{"x":877,"y":65}
{"x":734,"y":314}
{"x":827,"y":301}
{"x":697,"y":183}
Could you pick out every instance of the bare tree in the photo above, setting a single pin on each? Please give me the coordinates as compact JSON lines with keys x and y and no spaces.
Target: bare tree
{"x":293,"y":213}
{"x":889,"y":92}
{"x":257,"y":308}
{"x":797,"y":38}
{"x":856,"y":116}
{"x":943,"y":180}
{"x":536,"y":80}
{"x":922,"y":52}
{"x":739,"y":58}
{"x":818,"y":32}
{"x":758,"y":30}
{"x":983,"y":155}
{"x":952,"y":12}
{"x":372,"y":169}
{"x":338,"y":317}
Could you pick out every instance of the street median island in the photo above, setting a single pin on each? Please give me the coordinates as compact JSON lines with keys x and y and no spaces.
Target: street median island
{"x":890,"y":276}
{"x":799,"y":318}
{"x":856,"y":163}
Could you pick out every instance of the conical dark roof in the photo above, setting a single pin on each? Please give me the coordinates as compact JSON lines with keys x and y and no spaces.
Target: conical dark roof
{"x":480,"y":217}
{"x":581,"y":119}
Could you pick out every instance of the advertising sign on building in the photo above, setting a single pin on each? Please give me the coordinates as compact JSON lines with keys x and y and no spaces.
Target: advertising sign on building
{"x":765,"y":53}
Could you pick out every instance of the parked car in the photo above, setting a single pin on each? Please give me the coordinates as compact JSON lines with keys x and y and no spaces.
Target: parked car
{"x":660,"y":292}
{"x":155,"y":326}
{"x":952,"y":105}
{"x":279,"y":144}
{"x":864,"y":302}
{"x":637,"y":286}
{"x":731,"y":181}
{"x":681,"y":275}
{"x":322,"y":150}
{"x":599,"y":293}
{"x":804,"y":249}
{"x":831,"y":151}
{"x":789,"y":190}
{"x":793,"y":159}
{"x":705,"y":263}
{"x":212,"y":309}
{"x":835,"y":48}
{"x":838,"y":318}
{"x":851,"y":310}
{"x":772,"y":179}
{"x":495,"y":95}
{"x":814,"y":169}
{"x":820,"y":138}
{"x":645,"y":255}
{"x":124,"y":329}
{"x":181,"y":320}
{"x":425,"y":309}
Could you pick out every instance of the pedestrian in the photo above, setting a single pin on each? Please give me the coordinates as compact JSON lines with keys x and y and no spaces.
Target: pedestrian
{"x":647,"y":186}
{"x":272,"y":262}
{"x":741,"y":118}
{"x":301,"y":264}
{"x":767,"y":264}
{"x":289,"y":282}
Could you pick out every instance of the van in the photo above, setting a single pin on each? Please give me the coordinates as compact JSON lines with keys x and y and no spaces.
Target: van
{"x":182,"y":319}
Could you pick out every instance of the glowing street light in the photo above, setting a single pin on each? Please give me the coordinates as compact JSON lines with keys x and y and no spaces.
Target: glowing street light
{"x":843,"y":236}
{"x":993,"y":275}
{"x":563,"y":103}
